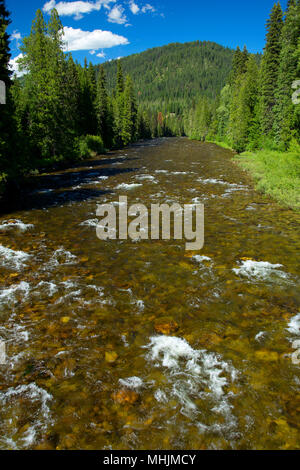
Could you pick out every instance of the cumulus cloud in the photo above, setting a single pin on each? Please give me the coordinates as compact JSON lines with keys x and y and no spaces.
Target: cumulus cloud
{"x":77,"y":8}
{"x":116,"y":15}
{"x":101,"y":55}
{"x":14,"y":66}
{"x":16,"y":36}
{"x":79,"y":40}
{"x":149,"y":8}
{"x":134,"y":8}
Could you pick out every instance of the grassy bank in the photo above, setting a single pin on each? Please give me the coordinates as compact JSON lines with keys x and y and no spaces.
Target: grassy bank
{"x":219,"y":143}
{"x":275,"y":173}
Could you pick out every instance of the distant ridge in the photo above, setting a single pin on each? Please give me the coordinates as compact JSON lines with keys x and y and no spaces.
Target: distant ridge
{"x":173,"y":76}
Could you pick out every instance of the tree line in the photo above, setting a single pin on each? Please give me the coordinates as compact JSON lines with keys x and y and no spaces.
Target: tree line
{"x":255,"y":108}
{"x":62,"y":111}
{"x":59,"y":110}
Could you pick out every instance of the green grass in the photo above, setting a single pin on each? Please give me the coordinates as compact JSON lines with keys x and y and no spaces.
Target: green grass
{"x":275,"y":173}
{"x":219,"y":143}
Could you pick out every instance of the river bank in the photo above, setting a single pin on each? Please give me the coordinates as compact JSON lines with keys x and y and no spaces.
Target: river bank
{"x":275,"y":173}
{"x":130,"y":345}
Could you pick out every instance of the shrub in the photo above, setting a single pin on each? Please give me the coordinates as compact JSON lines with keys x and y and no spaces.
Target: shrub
{"x":89,"y":146}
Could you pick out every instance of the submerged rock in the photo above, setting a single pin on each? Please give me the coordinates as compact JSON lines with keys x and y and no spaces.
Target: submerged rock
{"x":124,"y":397}
{"x":166,"y":326}
{"x":111,"y":356}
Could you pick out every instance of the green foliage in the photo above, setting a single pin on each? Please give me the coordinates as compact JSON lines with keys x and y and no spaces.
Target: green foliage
{"x":89,"y":146}
{"x":270,"y":68}
{"x":198,"y":121}
{"x":255,"y":109}
{"x":243,"y":126}
{"x":286,"y":121}
{"x":6,"y":121}
{"x":276,"y":173}
{"x":59,"y":111}
{"x":170,"y":80}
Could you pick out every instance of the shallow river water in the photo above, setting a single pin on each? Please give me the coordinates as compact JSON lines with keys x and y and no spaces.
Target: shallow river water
{"x":143,"y":345}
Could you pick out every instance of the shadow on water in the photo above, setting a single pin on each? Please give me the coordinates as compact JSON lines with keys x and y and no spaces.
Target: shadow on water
{"x":81,"y":177}
{"x":53,"y":189}
{"x":58,"y":198}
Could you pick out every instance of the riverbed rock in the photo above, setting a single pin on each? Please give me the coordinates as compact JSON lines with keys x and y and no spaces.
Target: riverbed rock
{"x":265,"y":355}
{"x":125,"y":396}
{"x":111,"y":356}
{"x":166,"y":326}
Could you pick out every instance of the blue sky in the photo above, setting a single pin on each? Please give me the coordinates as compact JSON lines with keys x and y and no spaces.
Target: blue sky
{"x":107,"y":29}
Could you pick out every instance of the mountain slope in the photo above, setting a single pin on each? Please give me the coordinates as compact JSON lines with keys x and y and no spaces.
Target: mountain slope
{"x":172,"y":77}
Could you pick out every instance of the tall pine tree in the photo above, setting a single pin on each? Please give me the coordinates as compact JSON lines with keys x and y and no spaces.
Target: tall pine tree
{"x":6,"y":122}
{"x":286,"y":122}
{"x":269,"y":69}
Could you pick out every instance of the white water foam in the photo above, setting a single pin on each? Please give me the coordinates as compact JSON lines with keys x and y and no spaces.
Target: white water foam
{"x":15,"y":293}
{"x":48,"y":287}
{"x":260,"y":270}
{"x":15,"y":224}
{"x":294,"y":325}
{"x":260,"y":335}
{"x":200,"y":258}
{"x":61,"y":257}
{"x":14,"y":402}
{"x":13,"y":259}
{"x":134,"y":383}
{"x":211,"y":181}
{"x":146,"y":177}
{"x":90,"y":222}
{"x":128,"y":186}
{"x":192,"y":375}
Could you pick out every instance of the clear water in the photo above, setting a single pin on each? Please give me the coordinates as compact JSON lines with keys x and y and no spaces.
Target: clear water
{"x":87,"y":365}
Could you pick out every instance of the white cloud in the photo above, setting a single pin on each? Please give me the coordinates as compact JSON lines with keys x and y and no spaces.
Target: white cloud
{"x":101,"y":55}
{"x":92,"y":52}
{"x":134,"y":7}
{"x":77,"y":8}
{"x":148,"y":7}
{"x":14,"y":66}
{"x":78,"y":40}
{"x":116,"y":15}
{"x":16,"y":36}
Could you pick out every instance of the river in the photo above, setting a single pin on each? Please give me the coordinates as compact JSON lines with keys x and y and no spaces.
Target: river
{"x":143,"y":345}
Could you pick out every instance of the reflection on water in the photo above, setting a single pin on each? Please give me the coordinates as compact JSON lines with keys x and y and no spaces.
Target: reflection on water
{"x":122,"y":345}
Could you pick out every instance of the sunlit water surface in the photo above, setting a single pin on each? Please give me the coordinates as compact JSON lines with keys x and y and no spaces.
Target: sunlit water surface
{"x":123,"y":345}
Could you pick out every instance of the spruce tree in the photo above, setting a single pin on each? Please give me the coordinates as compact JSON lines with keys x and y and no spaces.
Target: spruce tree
{"x":5,"y":74}
{"x":5,"y":109}
{"x":118,"y":107}
{"x":269,"y":69}
{"x":238,"y":64}
{"x":243,"y":112}
{"x":120,"y":79}
{"x":285,"y":124}
{"x":129,"y":123}
{"x":104,"y":119}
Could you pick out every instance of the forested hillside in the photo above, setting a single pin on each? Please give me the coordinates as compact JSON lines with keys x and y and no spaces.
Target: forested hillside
{"x":172,"y":77}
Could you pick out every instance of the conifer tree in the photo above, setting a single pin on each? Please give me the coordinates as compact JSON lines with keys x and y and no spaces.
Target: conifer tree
{"x":103,"y":112}
{"x":120,"y":79}
{"x":238,"y":64}
{"x":243,"y":113}
{"x":286,"y":124}
{"x":269,"y":69}
{"x":129,"y":114}
{"x":6,"y":123}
